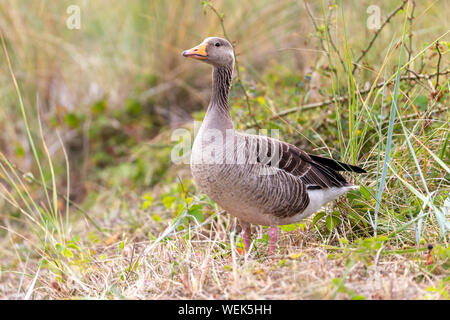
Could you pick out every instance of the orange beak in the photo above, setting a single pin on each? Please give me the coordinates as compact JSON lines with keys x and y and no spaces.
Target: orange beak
{"x":198,"y":52}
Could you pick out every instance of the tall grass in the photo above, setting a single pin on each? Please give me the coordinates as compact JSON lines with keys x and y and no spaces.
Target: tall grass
{"x":44,"y":218}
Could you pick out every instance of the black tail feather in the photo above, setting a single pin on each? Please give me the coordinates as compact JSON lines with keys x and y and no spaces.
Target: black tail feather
{"x":337,"y":165}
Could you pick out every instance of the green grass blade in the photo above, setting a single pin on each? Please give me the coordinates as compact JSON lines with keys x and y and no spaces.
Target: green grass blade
{"x":390,"y":129}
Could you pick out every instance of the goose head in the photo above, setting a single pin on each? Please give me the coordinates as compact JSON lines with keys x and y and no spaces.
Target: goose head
{"x":213,"y":50}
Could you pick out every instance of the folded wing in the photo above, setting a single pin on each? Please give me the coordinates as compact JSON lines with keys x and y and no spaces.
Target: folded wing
{"x":315,"y":172}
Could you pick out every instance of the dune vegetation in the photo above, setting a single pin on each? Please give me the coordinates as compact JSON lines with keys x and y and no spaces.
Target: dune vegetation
{"x":93,"y":207}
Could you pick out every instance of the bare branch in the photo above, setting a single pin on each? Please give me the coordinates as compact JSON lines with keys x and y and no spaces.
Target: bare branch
{"x":344,"y":98}
{"x":364,"y":52}
{"x":438,"y":65}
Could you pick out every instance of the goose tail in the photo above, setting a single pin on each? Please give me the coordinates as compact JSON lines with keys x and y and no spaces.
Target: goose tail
{"x":337,"y":165}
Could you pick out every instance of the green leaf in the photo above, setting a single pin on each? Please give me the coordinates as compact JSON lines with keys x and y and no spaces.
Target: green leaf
{"x":133,"y":107}
{"x":99,"y":107}
{"x":289,"y":227}
{"x":148,"y":200}
{"x":317,"y":217}
{"x":366,"y":191}
{"x":301,"y":225}
{"x":332,"y":221}
{"x":121,"y":246}
{"x":73,"y":246}
{"x":20,"y":151}
{"x":72,"y":120}
{"x":421,"y":102}
{"x":146,"y":204}
{"x":59,"y":247}
{"x":67,"y":253}
{"x":196,"y":212}
{"x":168,"y":201}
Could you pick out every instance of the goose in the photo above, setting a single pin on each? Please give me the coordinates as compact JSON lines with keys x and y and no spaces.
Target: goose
{"x":257,"y":179}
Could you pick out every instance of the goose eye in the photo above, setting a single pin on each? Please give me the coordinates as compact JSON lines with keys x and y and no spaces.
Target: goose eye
{"x":217,"y":44}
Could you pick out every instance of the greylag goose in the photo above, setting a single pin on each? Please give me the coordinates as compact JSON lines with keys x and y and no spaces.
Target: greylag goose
{"x":258,"y":179}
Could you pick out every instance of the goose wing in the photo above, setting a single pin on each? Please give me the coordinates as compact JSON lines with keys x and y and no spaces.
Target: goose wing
{"x":315,"y":172}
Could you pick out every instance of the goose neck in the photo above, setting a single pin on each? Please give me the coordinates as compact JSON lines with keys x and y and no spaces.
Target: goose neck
{"x":218,"y":110}
{"x":222,"y":76}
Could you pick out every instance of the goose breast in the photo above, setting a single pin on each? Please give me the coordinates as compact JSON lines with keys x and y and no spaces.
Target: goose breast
{"x":230,"y":175}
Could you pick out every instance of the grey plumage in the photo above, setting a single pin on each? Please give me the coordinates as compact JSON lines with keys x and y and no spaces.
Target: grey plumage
{"x":258,"y":179}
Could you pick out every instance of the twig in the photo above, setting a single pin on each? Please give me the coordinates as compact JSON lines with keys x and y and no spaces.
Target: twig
{"x":130,"y":264}
{"x":416,"y":78}
{"x":438,"y":65}
{"x":364,"y":52}
{"x":344,"y":98}
{"x":308,"y":10}
{"x":410,"y":36}
{"x":409,"y":47}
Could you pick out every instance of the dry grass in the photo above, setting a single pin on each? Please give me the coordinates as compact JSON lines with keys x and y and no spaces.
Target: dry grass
{"x":203,"y":261}
{"x":203,"y":268}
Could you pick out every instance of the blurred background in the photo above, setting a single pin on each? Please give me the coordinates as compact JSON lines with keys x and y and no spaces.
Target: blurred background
{"x":121,"y":76}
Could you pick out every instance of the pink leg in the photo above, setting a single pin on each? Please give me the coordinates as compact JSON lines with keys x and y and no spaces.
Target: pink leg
{"x":273,"y":238}
{"x":246,"y":234}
